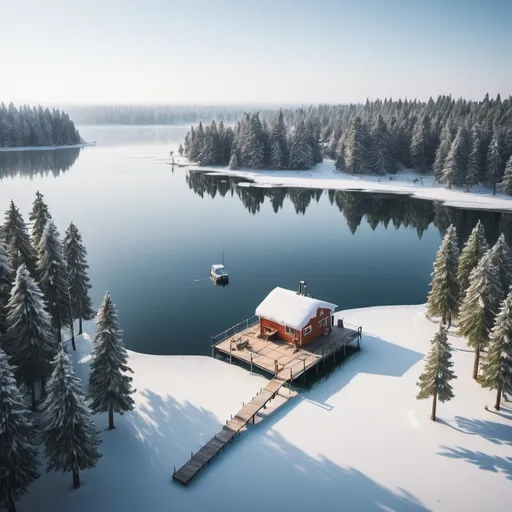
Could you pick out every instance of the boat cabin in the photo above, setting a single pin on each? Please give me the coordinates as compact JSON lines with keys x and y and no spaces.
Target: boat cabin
{"x":219,"y":273}
{"x":294,"y":317}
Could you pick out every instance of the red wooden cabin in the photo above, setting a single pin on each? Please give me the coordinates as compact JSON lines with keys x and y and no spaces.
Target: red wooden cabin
{"x":293,"y":316}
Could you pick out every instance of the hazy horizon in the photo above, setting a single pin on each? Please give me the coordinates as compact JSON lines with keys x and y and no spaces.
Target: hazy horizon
{"x":265,"y":53}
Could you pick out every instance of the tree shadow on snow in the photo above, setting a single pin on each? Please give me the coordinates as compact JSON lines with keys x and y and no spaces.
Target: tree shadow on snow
{"x":497,"y":433}
{"x":135,"y":472}
{"x":482,"y":460}
{"x":377,"y":357}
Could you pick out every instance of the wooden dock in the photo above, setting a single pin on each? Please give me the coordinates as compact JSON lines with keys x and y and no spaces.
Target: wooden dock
{"x":282,"y":360}
{"x":233,"y":427}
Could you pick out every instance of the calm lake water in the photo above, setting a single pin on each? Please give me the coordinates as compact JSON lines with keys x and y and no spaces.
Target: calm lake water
{"x":152,"y":234}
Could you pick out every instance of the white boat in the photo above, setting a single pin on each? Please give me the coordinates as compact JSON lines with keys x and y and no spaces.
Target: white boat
{"x":218,"y":273}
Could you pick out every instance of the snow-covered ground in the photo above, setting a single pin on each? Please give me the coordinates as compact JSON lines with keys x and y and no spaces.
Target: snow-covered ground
{"x":323,"y":176}
{"x":46,"y":148}
{"x":358,"y":440}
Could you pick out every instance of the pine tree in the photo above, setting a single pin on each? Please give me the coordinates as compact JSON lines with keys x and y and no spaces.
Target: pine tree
{"x":70,"y":437}
{"x":501,"y":259}
{"x":18,"y":450}
{"x":278,"y":137}
{"x":52,"y":272}
{"x":6,"y":277}
{"x":479,"y":307}
{"x":381,"y":159}
{"x":17,"y":240}
{"x":497,"y":363}
{"x":442,"y":152}
{"x":507,"y":178}
{"x":109,"y":387}
{"x":180,"y":150}
{"x":39,"y":216}
{"x":356,"y":154}
{"x":29,"y":341}
{"x":76,"y":263}
{"x":493,"y":162}
{"x":475,"y":247}
{"x":233,"y":162}
{"x":276,"y":157}
{"x":339,"y":155}
{"x":474,"y":167}
{"x":301,"y":154}
{"x":443,"y":297}
{"x":455,"y":163}
{"x":208,"y":151}
{"x":419,"y":143}
{"x":435,"y":381}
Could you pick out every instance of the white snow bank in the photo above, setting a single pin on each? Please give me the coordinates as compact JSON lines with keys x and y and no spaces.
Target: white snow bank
{"x":405,"y":183}
{"x":359,"y":440}
{"x":47,"y":148}
{"x":287,"y":307}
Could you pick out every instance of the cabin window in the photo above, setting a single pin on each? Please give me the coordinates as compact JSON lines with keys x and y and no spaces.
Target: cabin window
{"x":323,"y":322}
{"x":307,"y":330}
{"x":290,"y":331}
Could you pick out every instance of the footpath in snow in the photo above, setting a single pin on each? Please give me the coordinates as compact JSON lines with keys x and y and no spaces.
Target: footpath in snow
{"x":47,"y":148}
{"x":323,"y":176}
{"x":358,"y":440}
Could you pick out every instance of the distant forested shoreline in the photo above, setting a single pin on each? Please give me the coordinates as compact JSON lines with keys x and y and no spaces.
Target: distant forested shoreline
{"x":34,"y":127}
{"x":463,"y":143}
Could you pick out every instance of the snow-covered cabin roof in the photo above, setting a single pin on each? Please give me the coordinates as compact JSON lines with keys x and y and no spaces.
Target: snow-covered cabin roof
{"x":217,"y":266}
{"x":287,"y":307}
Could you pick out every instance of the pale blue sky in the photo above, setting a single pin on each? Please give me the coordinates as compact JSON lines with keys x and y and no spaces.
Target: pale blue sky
{"x":235,"y":51}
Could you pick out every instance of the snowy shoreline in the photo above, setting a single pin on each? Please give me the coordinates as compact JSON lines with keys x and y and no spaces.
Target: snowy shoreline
{"x":358,"y":439}
{"x":322,"y":177}
{"x":47,"y":148}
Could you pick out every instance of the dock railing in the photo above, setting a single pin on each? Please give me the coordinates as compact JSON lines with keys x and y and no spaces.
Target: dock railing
{"x":235,"y":329}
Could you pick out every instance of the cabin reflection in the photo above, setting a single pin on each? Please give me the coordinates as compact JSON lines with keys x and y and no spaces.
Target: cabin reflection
{"x":30,"y":164}
{"x":376,"y":209}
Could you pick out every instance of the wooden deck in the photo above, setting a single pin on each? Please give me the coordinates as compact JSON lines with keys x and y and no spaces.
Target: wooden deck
{"x":280,"y":358}
{"x":229,"y":431}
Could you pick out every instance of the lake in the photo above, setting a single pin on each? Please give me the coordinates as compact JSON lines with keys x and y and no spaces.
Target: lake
{"x":152,"y":232}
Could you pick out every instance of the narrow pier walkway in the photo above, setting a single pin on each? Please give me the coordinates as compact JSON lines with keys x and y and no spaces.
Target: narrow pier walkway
{"x":229,"y":431}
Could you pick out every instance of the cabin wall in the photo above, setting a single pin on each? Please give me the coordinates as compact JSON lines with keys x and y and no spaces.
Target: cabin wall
{"x":316,"y":330}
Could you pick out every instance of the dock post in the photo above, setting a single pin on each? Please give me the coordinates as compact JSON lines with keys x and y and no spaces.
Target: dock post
{"x":275,"y":367}
{"x":230,"y":357}
{"x":251,"y":362}
{"x":323,"y":360}
{"x":304,"y":372}
{"x":317,"y":367}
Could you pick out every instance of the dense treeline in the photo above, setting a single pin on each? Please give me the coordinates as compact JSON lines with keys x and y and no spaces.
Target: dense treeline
{"x":152,"y":114}
{"x":257,"y":144}
{"x":35,"y":126}
{"x":375,"y":209}
{"x":463,"y":143}
{"x":43,"y":287}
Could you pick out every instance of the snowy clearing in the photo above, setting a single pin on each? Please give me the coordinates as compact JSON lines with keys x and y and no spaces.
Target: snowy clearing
{"x":47,"y":148}
{"x":358,"y":440}
{"x":323,"y":176}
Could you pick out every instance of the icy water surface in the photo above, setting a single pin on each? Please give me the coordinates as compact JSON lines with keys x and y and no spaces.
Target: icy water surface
{"x":152,"y":234}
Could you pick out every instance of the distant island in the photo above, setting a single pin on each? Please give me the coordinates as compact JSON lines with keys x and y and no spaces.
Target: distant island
{"x":462,"y":143}
{"x":29,"y":127}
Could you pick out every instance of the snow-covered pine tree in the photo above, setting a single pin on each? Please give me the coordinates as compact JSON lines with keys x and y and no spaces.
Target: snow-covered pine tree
{"x":180,"y":150}
{"x":442,"y":152}
{"x":208,"y":151}
{"x":475,"y":247}
{"x":443,"y":297}
{"x":501,"y":258}
{"x":339,"y":155}
{"x":381,"y":159}
{"x":6,"y":277}
{"x":196,"y":143}
{"x":17,"y":240}
{"x":276,"y":157}
{"x":76,"y":262}
{"x":18,"y":450}
{"x":39,"y":217}
{"x":278,"y":135}
{"x":474,"y":167}
{"x":507,"y":178}
{"x":70,"y":437}
{"x":454,"y":171}
{"x":233,"y":162}
{"x":419,"y":143}
{"x":356,"y":154}
{"x":109,"y":386}
{"x":479,"y":307}
{"x":493,"y":162}
{"x":53,"y":281}
{"x":435,"y":380}
{"x":497,"y":363}
{"x":29,"y":340}
{"x":301,"y":154}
